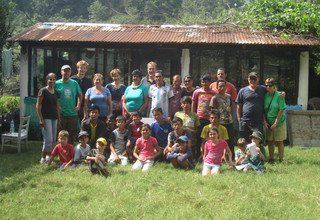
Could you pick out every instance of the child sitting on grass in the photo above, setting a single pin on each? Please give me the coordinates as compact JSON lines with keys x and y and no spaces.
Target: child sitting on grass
{"x":82,"y":150}
{"x":64,"y":150}
{"x":175,"y":134}
{"x":146,"y":150}
{"x":214,"y":122}
{"x":97,"y":159}
{"x":214,"y":150}
{"x":120,"y":143}
{"x":181,"y":155}
{"x":256,"y":153}
{"x":134,"y":131}
{"x":240,"y":154}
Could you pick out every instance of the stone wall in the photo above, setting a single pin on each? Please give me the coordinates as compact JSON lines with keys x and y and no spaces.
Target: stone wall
{"x":304,"y":128}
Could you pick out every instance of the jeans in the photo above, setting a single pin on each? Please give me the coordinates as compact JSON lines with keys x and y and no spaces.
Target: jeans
{"x":49,"y":133}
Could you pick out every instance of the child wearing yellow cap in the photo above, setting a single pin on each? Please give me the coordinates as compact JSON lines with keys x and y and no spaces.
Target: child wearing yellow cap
{"x":97,"y":159}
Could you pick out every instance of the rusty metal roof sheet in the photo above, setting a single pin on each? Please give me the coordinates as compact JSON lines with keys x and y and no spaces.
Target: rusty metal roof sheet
{"x":149,"y":34}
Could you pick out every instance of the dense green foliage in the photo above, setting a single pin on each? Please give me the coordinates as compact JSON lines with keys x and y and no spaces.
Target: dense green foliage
{"x":6,"y":16}
{"x":9,"y":103}
{"x":286,"y":191}
{"x":126,"y":11}
{"x":294,"y":16}
{"x":299,"y":16}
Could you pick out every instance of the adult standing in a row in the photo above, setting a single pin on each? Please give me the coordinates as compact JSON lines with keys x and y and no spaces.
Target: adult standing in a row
{"x":100,"y":96}
{"x":48,"y":112}
{"x":230,"y":88}
{"x":117,"y":90}
{"x":84,"y":82}
{"x":135,"y":98}
{"x":274,"y":107}
{"x":149,"y":79}
{"x":160,"y":96}
{"x":177,"y":94}
{"x":70,"y":93}
{"x":250,"y":110}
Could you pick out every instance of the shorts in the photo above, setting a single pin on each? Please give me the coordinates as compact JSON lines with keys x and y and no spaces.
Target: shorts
{"x":213,"y":168}
{"x":277,"y":134}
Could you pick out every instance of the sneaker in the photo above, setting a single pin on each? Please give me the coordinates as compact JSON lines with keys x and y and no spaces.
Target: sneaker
{"x":47,"y":158}
{"x":43,"y":160}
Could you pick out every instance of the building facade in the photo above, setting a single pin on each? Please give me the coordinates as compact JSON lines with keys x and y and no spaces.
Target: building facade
{"x":184,"y":50}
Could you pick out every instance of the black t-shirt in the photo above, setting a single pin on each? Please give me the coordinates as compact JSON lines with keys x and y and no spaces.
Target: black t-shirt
{"x":84,"y":83}
{"x":49,"y":103}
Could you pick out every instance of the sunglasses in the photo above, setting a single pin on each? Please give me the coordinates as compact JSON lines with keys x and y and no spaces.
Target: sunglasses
{"x":269,"y":85}
{"x":253,"y":78}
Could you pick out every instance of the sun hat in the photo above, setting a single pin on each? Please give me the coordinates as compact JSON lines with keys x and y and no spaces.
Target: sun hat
{"x":257,"y":134}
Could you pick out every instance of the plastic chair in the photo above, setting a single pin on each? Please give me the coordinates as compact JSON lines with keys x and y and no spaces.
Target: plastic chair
{"x":314,"y":103}
{"x":14,"y":139}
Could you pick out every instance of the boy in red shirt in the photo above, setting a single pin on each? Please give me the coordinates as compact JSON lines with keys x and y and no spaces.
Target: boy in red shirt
{"x":64,"y":150}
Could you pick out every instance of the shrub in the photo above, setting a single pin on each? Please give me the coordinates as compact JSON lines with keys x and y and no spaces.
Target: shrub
{"x":9,"y":104}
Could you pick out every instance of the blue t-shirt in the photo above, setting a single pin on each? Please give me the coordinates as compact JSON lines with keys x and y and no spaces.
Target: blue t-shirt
{"x":99,"y":100}
{"x":161,"y":132}
{"x":252,"y":104}
{"x":135,"y":97}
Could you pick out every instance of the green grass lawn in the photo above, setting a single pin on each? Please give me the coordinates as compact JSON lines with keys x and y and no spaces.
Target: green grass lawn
{"x":289,"y":190}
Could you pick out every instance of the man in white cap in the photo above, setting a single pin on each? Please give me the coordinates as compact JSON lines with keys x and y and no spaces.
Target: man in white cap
{"x":69,"y":91}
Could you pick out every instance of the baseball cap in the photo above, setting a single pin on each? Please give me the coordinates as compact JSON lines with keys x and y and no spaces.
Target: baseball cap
{"x":83,"y":133}
{"x":183,"y":138}
{"x":65,"y":67}
{"x":253,"y":74}
{"x":102,"y":140}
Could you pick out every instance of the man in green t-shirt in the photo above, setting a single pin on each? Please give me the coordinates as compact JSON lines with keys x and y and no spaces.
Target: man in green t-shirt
{"x":69,"y":90}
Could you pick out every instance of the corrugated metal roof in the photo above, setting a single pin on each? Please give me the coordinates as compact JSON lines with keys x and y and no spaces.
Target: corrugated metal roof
{"x":146,"y":34}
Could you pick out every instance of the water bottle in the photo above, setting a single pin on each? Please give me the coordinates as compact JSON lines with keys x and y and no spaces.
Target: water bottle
{"x":11,"y":126}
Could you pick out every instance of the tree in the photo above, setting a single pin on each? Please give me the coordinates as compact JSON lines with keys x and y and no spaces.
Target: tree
{"x":5,"y":27}
{"x":209,"y":12}
{"x":287,"y":16}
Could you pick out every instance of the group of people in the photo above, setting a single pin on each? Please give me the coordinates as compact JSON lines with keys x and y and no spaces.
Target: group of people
{"x":189,"y":124}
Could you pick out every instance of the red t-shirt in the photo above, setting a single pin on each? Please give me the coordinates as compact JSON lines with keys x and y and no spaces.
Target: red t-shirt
{"x":65,"y":153}
{"x":215,"y":151}
{"x":135,"y":129}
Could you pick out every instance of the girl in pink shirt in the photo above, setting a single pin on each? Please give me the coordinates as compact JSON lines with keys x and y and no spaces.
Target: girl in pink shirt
{"x":145,"y":150}
{"x":214,"y":150}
